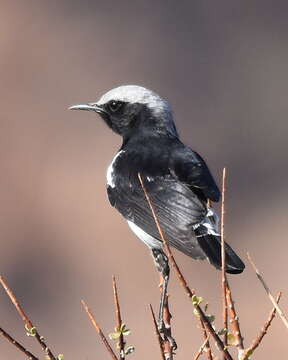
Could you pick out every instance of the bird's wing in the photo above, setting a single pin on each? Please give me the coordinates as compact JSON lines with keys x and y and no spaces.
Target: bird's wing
{"x":176,"y":206}
{"x":190,"y":168}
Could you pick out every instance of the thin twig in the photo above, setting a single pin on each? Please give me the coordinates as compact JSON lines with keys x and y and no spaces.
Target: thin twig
{"x":208,"y":347}
{"x":27,"y":321}
{"x":227,"y":294}
{"x":202,"y":347}
{"x":260,"y":277}
{"x":17,"y":345}
{"x":118,"y":319}
{"x":263,"y":332}
{"x":182,"y":280}
{"x":213,"y":333}
{"x":223,"y":259}
{"x":234,"y":320}
{"x":159,"y":338}
{"x":15,"y":302}
{"x":100,"y":332}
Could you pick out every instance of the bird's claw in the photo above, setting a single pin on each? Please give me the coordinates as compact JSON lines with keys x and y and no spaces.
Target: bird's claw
{"x":172,"y":343}
{"x":166,"y":335}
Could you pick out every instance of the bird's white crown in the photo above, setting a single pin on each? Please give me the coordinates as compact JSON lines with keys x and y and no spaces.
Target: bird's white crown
{"x":137,"y":94}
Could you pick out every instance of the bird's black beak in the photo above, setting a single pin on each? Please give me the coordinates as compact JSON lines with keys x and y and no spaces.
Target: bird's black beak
{"x":88,"y":107}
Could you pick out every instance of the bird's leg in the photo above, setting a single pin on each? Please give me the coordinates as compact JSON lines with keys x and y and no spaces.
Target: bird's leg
{"x":164,"y":326}
{"x":162,"y":266}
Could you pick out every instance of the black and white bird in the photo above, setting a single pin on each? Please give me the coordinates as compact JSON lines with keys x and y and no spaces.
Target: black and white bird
{"x":176,"y":178}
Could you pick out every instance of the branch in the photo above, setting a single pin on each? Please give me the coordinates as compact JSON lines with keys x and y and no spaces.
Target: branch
{"x":274,"y":302}
{"x":223,"y":260}
{"x":181,"y":278}
{"x":17,"y":345}
{"x":234,"y":319}
{"x":98,"y":329}
{"x":208,"y":347}
{"x":118,"y":320}
{"x":263,"y":332}
{"x":159,"y":338}
{"x":30,"y":327}
{"x":227,"y":294}
{"x":202,"y":347}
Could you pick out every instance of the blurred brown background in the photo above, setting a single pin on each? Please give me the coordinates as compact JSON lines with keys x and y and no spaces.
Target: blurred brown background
{"x":223,"y":66}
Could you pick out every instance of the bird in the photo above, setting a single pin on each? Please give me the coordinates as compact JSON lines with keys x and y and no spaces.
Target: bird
{"x":177,"y":179}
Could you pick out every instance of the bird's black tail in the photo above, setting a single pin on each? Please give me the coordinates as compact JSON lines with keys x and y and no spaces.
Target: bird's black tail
{"x":211,"y":246}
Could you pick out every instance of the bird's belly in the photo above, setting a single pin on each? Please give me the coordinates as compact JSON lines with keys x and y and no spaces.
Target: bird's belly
{"x":149,"y":240}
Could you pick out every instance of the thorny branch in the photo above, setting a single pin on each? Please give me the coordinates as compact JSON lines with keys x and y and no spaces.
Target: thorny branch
{"x":263,"y":332}
{"x":118,"y":320}
{"x":98,"y":329}
{"x":181,"y":278}
{"x":227,"y":294}
{"x":17,"y":345}
{"x":234,"y":320}
{"x":26,"y":320}
{"x":159,"y":338}
{"x":207,"y":346}
{"x":223,"y":259}
{"x":274,"y":302}
{"x":202,"y":347}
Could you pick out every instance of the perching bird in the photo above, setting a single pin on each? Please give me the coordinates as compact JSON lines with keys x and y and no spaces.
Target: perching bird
{"x":176,"y":178}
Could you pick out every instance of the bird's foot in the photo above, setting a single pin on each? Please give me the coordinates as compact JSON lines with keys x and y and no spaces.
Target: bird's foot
{"x":166,"y":335}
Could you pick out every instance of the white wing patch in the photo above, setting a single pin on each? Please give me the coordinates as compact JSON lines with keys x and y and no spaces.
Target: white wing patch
{"x":149,"y":240}
{"x":110,"y":170}
{"x":210,"y":222}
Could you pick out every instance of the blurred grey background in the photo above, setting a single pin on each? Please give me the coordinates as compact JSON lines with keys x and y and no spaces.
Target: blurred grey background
{"x":223,"y":66}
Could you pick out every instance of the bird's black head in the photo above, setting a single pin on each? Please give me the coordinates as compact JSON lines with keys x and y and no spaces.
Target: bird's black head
{"x":129,"y":108}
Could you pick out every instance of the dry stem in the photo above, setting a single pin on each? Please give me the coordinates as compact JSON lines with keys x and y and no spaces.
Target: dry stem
{"x":202,"y":347}
{"x":227,"y":294}
{"x":182,"y":280}
{"x":208,"y":347}
{"x":118,"y":319}
{"x":223,"y":259}
{"x":159,"y":338}
{"x":26,"y":319}
{"x":98,"y":329}
{"x":274,"y":302}
{"x":234,"y":319}
{"x":18,"y":345}
{"x":263,"y":332}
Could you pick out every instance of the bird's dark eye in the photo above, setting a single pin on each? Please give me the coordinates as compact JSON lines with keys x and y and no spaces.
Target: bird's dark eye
{"x":115,"y":105}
